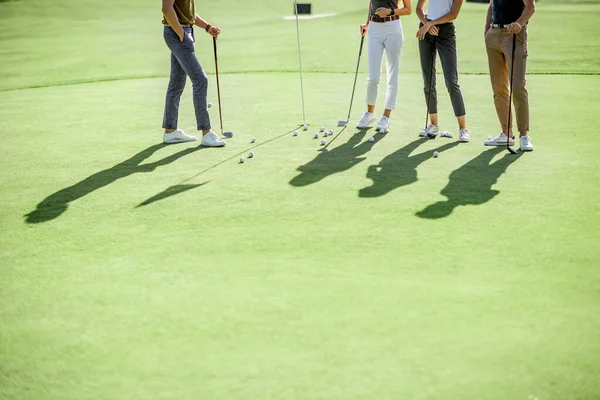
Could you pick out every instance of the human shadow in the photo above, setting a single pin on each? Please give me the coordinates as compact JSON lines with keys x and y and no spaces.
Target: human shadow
{"x":471,"y":184}
{"x":398,"y":169}
{"x":336,"y":160}
{"x":57,"y":203}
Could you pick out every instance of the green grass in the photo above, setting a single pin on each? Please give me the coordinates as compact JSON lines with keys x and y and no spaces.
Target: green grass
{"x":133,"y":270}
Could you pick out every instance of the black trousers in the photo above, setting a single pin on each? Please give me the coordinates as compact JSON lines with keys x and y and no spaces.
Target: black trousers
{"x":445,"y":44}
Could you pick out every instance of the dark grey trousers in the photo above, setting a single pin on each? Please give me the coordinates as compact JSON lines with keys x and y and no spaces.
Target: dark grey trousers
{"x":445,"y":43}
{"x":183,"y":64}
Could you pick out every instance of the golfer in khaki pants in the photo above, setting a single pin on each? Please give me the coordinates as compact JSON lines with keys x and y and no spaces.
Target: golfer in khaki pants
{"x":506,"y":18}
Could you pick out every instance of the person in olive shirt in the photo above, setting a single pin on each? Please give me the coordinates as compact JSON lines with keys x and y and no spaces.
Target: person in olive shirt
{"x":385,"y":35}
{"x":506,"y":18}
{"x":179,"y":18}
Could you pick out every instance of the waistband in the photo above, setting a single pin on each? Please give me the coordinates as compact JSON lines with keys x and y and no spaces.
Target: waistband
{"x":182,"y":25}
{"x":385,"y":19}
{"x":502,"y":26}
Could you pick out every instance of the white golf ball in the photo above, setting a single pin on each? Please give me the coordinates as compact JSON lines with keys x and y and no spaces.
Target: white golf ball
{"x":330,"y":132}
{"x":305,"y":128}
{"x":316,"y":136}
{"x":251,"y":154}
{"x":325,"y":134}
{"x":242,"y":160}
{"x":371,"y":139}
{"x":252,"y":140}
{"x":322,"y":129}
{"x":295,"y":133}
{"x":436,"y":153}
{"x":323,"y":142}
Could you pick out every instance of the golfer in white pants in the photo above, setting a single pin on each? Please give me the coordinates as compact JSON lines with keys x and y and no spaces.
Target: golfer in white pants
{"x":385,"y":35}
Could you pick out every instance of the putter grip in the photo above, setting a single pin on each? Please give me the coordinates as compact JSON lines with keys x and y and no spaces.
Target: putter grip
{"x":215,"y":46}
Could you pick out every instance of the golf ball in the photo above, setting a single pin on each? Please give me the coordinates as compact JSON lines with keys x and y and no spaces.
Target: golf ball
{"x":295,"y":133}
{"x":252,"y":140}
{"x":323,"y":142}
{"x":305,"y":127}
{"x":330,"y":132}
{"x":316,"y":136}
{"x":251,"y":154}
{"x":371,"y":139}
{"x":209,"y":105}
{"x":322,"y":129}
{"x":242,"y":160}
{"x":489,"y":138}
{"x":325,"y":134}
{"x":436,"y":153}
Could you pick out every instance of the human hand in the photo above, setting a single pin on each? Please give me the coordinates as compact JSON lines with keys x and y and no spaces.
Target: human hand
{"x":214,"y":31}
{"x":423,"y":31}
{"x":434,"y":30}
{"x":383,"y":12}
{"x":363,"y":29}
{"x":514,"y":28}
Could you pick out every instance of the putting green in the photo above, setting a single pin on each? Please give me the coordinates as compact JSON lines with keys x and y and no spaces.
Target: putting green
{"x":131,"y":269}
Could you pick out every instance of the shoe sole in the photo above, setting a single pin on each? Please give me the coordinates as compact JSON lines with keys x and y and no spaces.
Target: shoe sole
{"x":366,"y":126}
{"x":464,"y":140}
{"x":179,"y":141}
{"x":522,"y":149}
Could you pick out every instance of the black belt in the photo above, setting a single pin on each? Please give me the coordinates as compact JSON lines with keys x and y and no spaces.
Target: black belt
{"x":503,"y":26}
{"x":384,"y":19}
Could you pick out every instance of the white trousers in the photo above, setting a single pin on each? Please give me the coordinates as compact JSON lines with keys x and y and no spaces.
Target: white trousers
{"x":384,"y":37}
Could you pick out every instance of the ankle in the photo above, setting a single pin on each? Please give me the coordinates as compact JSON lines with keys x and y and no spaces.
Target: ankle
{"x":170,"y":130}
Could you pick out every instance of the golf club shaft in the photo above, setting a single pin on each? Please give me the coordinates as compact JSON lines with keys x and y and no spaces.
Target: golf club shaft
{"x":300,"y":61}
{"x":430,"y":82}
{"x":362,"y":42}
{"x":218,"y":86}
{"x":512,"y":73}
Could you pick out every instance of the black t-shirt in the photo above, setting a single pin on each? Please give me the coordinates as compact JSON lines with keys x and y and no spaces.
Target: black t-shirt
{"x":506,"y":11}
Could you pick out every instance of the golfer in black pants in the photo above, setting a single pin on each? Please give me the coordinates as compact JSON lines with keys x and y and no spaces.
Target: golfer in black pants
{"x":437,"y":32}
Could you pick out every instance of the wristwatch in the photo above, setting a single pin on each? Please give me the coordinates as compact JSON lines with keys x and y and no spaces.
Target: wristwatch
{"x":392,"y":12}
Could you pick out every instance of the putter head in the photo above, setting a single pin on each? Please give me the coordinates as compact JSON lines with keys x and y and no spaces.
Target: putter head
{"x":342,"y":122}
{"x":228,"y":135}
{"x":431,"y":135}
{"x":511,"y":150}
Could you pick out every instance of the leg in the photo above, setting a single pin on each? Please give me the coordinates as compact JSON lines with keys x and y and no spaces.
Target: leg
{"x":449,"y":60}
{"x":185,"y":54}
{"x":176,"y":86}
{"x":375,"y":52}
{"x":520,"y":94}
{"x":393,"y":49}
{"x":498,"y":76}
{"x":426,"y":52}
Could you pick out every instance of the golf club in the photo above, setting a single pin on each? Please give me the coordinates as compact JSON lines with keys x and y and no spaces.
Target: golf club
{"x":512,"y":72}
{"x":300,"y":63}
{"x":226,"y":134}
{"x":430,"y":135}
{"x":362,"y":41}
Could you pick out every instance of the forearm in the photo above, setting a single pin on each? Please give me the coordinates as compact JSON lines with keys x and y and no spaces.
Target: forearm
{"x":421,"y":15}
{"x":451,"y":16}
{"x":198,"y":21}
{"x":527,"y":13}
{"x":406,"y":10}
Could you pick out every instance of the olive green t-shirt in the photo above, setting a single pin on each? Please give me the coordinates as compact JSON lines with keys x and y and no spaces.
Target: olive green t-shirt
{"x":375,"y":4}
{"x":185,"y":10}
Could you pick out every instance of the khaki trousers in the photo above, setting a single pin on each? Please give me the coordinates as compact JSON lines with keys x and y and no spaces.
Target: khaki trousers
{"x":498,"y":43}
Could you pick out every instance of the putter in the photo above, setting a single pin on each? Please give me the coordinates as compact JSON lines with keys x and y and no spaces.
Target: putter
{"x":226,"y":134}
{"x":512,"y":72}
{"x":430,"y":135}
{"x":362,"y":41}
{"x":300,"y":64}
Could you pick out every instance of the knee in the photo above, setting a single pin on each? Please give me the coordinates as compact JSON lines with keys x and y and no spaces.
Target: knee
{"x":199,"y":79}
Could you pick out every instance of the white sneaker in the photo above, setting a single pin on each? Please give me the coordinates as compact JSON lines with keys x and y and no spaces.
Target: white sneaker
{"x":384,"y":124}
{"x":430,"y":130}
{"x":526,"y":143}
{"x":366,"y":120}
{"x":464,"y":135}
{"x":177,"y":136}
{"x":212,"y":140}
{"x":499,"y":140}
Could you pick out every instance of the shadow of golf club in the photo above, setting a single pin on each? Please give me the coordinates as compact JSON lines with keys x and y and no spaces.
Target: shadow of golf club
{"x":338,"y":159}
{"x":57,"y":203}
{"x":471,"y":184}
{"x":398,"y":169}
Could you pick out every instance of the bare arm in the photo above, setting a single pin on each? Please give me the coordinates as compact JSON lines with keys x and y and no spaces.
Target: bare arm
{"x":171,"y":17}
{"x":516,"y":26}
{"x":420,"y":11}
{"x":212,"y":30}
{"x":451,"y":16}
{"x":386,"y":12}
